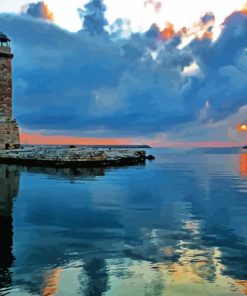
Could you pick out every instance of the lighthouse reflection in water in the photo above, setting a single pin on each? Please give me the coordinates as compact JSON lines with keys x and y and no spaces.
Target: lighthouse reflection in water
{"x":177,"y":226}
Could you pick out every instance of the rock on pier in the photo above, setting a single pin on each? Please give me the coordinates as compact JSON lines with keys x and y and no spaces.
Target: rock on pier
{"x":72,"y":157}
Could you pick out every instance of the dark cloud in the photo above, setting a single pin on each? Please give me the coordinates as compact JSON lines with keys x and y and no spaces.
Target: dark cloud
{"x":93,"y":16}
{"x":38,"y":10}
{"x":100,"y":85}
{"x":207,"y":18}
{"x":224,"y":67}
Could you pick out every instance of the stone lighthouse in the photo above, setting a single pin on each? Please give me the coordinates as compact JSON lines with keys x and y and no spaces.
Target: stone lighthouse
{"x":9,"y":131}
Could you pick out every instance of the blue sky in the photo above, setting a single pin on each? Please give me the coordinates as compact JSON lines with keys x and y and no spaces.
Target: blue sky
{"x":109,"y":80}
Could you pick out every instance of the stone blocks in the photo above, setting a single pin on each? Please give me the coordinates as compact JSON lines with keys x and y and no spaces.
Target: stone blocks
{"x":9,"y":131}
{"x":9,"y":135}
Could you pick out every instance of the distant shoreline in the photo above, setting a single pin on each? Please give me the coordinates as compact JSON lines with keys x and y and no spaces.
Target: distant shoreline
{"x":90,"y":146}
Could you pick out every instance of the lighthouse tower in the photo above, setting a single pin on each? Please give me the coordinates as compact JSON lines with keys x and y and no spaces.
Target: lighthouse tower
{"x":9,"y":131}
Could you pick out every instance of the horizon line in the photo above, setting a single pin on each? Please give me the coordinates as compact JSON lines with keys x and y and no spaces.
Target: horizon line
{"x":39,"y":139}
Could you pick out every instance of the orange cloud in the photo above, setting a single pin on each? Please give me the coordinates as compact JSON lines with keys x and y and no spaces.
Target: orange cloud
{"x":200,"y":30}
{"x":168,"y":32}
{"x":48,"y":14}
{"x":38,"y":10}
{"x":244,"y":9}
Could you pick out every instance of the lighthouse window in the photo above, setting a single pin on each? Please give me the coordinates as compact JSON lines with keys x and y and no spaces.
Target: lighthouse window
{"x":5,"y":43}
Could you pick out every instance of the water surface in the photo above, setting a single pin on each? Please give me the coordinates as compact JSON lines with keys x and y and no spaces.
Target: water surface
{"x":177,"y":226}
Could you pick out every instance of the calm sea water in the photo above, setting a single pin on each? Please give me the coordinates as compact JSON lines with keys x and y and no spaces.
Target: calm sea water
{"x":177,"y":226}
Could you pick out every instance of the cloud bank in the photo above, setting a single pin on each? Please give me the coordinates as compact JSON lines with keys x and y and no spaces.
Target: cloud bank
{"x":97,"y":83}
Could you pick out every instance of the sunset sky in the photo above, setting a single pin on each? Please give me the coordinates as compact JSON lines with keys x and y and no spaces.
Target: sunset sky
{"x":141,"y":13}
{"x":165,"y":73}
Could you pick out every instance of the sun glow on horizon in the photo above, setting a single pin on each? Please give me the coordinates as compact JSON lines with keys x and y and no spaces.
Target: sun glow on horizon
{"x":40,"y":139}
{"x":242,"y":127}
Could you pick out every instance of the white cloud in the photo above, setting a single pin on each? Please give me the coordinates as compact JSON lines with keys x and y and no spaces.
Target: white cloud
{"x":179,"y":12}
{"x":192,"y":69}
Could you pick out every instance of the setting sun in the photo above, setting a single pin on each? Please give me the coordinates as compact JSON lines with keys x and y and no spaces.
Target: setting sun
{"x":242,"y":127}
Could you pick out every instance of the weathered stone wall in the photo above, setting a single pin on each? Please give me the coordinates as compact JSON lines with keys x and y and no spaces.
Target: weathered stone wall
{"x":9,"y":131}
{"x":5,"y":88}
{"x":9,"y":135}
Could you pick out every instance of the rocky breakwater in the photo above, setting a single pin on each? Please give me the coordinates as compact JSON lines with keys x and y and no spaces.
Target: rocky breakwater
{"x":72,"y":157}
